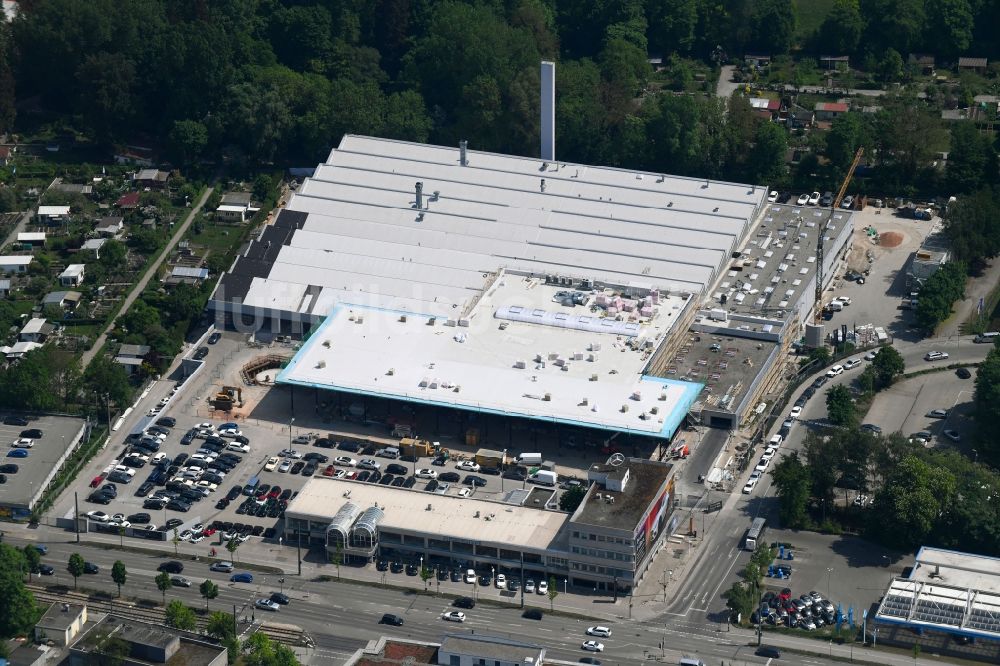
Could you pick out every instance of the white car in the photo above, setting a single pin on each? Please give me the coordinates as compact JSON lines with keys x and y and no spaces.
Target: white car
{"x":593,"y":646}
{"x":185,"y":535}
{"x":870,"y":356}
{"x":99,"y":516}
{"x":23,"y":443}
{"x":769,"y":453}
{"x":936,"y":356}
{"x":290,"y":453}
{"x":470,"y":576}
{"x":468,"y":466}
{"x":271,"y":464}
{"x":159,"y":457}
{"x":749,"y":486}
{"x":197,"y":538}
{"x":453,"y":616}
{"x":802,"y":200}
{"x":501,"y":582}
{"x":339,"y":474}
{"x":543,"y":587}
{"x":852,"y":363}
{"x":284,"y":466}
{"x":212,"y":487}
{"x":772,"y":196}
{"x":119,"y":523}
{"x":347,"y":461}
{"x":426,"y":474}
{"x":465,"y":492}
{"x":529,"y":586}
{"x":603,"y":632}
{"x":835,"y":370}
{"x":205,"y":426}
{"x":843,"y":300}
{"x":796,"y":410}
{"x":240,"y":448}
{"x":205,"y":457}
{"x":267,"y":604}
{"x":762,"y":465}
{"x":369,"y":463}
{"x":230,"y":433}
{"x":814,"y":198}
{"x":124,"y":469}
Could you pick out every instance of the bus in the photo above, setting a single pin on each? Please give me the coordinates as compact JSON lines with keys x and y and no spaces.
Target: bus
{"x":754,"y":535}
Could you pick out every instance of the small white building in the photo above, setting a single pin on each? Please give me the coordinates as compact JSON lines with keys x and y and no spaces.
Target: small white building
{"x":61,"y":623}
{"x":73,"y":275}
{"x":36,"y":330}
{"x":53,"y":214}
{"x":18,"y":349}
{"x":4,"y":288}
{"x":110,"y":226}
{"x":34,"y":238}
{"x":235,"y":207}
{"x":15,"y":263}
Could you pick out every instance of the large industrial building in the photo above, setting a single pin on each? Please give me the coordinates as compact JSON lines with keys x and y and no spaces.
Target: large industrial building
{"x":611,"y":538}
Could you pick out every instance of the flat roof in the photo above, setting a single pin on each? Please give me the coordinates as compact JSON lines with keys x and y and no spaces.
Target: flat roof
{"x":492,"y":647}
{"x":26,"y":485}
{"x":29,"y":236}
{"x":73,"y":270}
{"x":16,"y":260}
{"x":191,"y":651}
{"x":450,"y":516}
{"x":34,"y":325}
{"x":53,"y":210}
{"x":627,"y":506}
{"x":937,"y":565}
{"x":778,"y":262}
{"x":544,"y":368}
{"x":58,"y":618}
{"x":361,"y":237}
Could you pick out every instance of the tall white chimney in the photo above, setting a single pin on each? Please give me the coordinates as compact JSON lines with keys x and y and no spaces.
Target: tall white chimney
{"x":548,"y":111}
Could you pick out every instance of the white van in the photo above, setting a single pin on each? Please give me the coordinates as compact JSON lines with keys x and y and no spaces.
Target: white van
{"x":989,"y":336}
{"x":836,"y":306}
{"x":544,"y":478}
{"x":691,"y":661}
{"x":530,"y":459}
{"x":775,"y":440}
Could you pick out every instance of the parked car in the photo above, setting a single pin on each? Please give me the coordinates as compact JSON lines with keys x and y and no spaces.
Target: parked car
{"x":242,"y":577}
{"x":935,"y":356}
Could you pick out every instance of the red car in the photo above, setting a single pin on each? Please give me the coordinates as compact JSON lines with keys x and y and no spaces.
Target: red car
{"x":274,"y":492}
{"x":329,"y":470}
{"x":97,"y":481}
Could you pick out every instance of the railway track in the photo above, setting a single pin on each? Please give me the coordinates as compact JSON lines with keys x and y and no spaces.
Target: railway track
{"x":286,"y":634}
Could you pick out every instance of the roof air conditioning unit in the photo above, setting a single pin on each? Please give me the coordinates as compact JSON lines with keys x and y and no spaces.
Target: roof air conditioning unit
{"x":430,"y":322}
{"x":402,"y":319}
{"x":477,"y":514}
{"x":654,"y":410}
{"x":429,"y":507}
{"x":520,"y":364}
{"x":489,"y":517}
{"x":547,"y":397}
{"x":593,"y":377}
{"x":391,"y":372}
{"x":624,"y":408}
{"x":321,"y":364}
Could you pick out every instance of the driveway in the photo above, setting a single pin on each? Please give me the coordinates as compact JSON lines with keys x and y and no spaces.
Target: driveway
{"x":726,"y":86}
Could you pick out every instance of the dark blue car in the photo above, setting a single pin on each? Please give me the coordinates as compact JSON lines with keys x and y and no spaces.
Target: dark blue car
{"x":242,"y":577}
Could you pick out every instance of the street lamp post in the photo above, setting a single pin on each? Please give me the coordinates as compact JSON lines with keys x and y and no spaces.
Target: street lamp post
{"x":829,"y":571}
{"x":565,"y":584}
{"x":290,"y":424}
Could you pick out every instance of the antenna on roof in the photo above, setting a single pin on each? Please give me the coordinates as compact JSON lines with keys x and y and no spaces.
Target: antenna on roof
{"x":548,"y":125}
{"x":543,"y":185}
{"x":420,"y":195}
{"x":463,"y":146}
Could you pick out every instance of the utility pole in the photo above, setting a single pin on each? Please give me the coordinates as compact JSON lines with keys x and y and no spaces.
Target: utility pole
{"x":76,"y":517}
{"x":299,"y":532}
{"x":236,"y":629}
{"x":522,"y":579}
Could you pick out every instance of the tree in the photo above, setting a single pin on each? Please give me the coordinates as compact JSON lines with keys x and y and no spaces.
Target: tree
{"x":890,"y":67}
{"x":846,"y":134}
{"x":673,"y":25}
{"x":741,"y":600}
{"x":425,"y":575}
{"x":887,"y":365}
{"x":18,"y":612}
{"x":180,"y":616}
{"x":176,"y":539}
{"x":949,"y":26}
{"x":571,"y":499}
{"x":109,"y":650}
{"x":792,"y":481}
{"x":908,"y":505}
{"x":113,"y":255}
{"x":553,"y":592}
{"x":337,"y":559}
{"x":772,"y":25}
{"x":32,"y":559}
{"x":260,"y":650}
{"x":187,"y":139}
{"x":767,"y":157}
{"x":972,"y":159}
{"x":119,"y":575}
{"x":987,"y":405}
{"x":841,"y":30}
{"x":263,"y":185}
{"x":105,"y":377}
{"x":232,"y":546}
{"x":209,"y":590}
{"x":163,"y":583}
{"x":75,"y":567}
{"x":840,"y":406}
{"x":221,"y":626}
{"x":972,"y":225}
{"x":938,"y":293}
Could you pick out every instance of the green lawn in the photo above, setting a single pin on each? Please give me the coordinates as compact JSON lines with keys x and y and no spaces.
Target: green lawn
{"x":811,"y":14}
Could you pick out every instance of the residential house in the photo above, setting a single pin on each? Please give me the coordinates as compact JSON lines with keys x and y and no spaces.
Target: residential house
{"x":15,"y":263}
{"x":977,"y":65}
{"x":799,"y":117}
{"x":146,"y":644}
{"x":36,"y":330}
{"x":74,"y":188}
{"x":110,"y":226}
{"x":767,"y":109}
{"x":4,"y":288}
{"x":128,"y":201}
{"x":954,"y":115}
{"x":758,"y":61}
{"x":73,"y":275}
{"x":137,"y":155}
{"x":827,"y":111}
{"x":151,"y":178}
{"x":53,"y":214}
{"x":924,"y":62}
{"x":61,"y":623}
{"x":32,"y":238}
{"x":94,"y":245}
{"x":67,"y":300}
{"x":7,"y":154}
{"x":132,"y":356}
{"x":234,"y":207}
{"x":187,"y":275}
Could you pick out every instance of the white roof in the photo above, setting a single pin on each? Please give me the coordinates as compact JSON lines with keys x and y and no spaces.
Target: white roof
{"x":20,"y":348}
{"x":34,"y":325}
{"x":450,"y":516}
{"x":30,"y":236}
{"x":363,"y":235}
{"x":53,"y":211}
{"x":73,"y":270}
{"x":552,"y":368}
{"x":16,"y":260}
{"x":93,"y":244}
{"x":229,"y":208}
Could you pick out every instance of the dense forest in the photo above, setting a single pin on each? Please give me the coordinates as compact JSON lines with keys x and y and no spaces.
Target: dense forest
{"x":282,"y":80}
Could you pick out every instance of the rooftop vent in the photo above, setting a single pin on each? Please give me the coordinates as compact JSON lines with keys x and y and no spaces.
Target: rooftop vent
{"x":430,"y":507}
{"x":420,"y":194}
{"x":463,"y":146}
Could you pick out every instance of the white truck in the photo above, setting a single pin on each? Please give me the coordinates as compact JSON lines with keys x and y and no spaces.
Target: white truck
{"x":544,"y":478}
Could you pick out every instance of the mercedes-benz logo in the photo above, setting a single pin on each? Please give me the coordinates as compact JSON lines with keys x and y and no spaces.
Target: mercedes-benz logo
{"x":616,"y":460}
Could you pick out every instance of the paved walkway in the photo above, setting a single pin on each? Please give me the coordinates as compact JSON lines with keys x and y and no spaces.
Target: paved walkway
{"x":977,"y":288}
{"x":140,"y":286}
{"x":725,"y":87}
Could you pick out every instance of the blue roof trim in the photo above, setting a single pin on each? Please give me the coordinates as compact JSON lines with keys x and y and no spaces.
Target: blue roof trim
{"x":671,"y":421}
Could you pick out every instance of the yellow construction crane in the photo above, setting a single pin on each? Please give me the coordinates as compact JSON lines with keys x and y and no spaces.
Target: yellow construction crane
{"x":822,"y":232}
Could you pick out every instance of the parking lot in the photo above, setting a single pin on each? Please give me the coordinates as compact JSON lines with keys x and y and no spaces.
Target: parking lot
{"x":25,"y":468}
{"x":907,"y":406}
